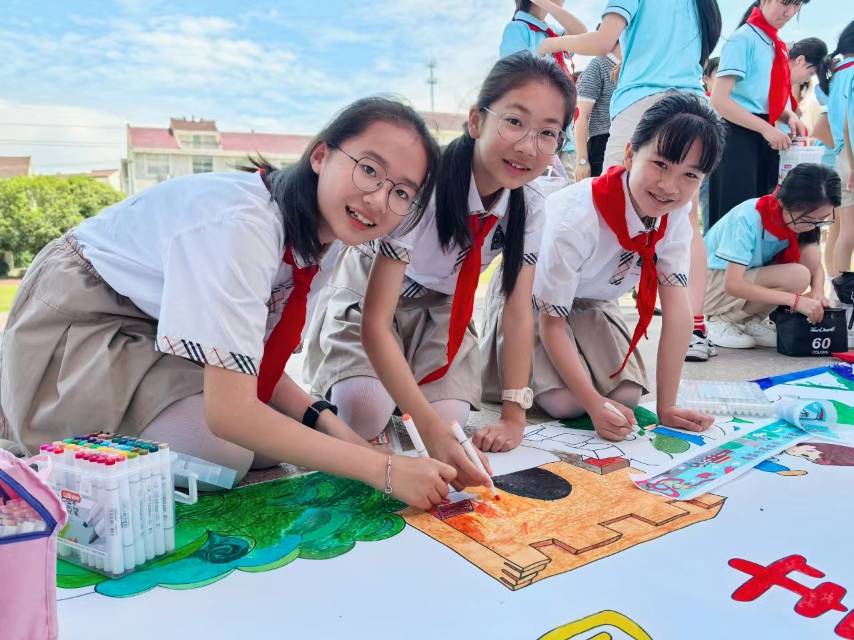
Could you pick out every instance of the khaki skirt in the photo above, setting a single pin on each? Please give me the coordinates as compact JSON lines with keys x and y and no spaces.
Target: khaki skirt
{"x":78,"y":357}
{"x":333,"y":344}
{"x":601,"y":337}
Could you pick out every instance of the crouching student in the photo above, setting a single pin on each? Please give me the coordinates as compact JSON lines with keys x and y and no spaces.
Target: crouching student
{"x":412,"y":310}
{"x":756,"y":261}
{"x":626,"y":228}
{"x":172,"y":314}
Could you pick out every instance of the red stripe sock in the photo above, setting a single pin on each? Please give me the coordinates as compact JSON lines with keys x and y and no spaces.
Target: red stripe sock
{"x":700,"y":324}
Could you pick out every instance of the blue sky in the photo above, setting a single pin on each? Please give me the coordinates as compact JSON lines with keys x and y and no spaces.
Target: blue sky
{"x":88,"y":68}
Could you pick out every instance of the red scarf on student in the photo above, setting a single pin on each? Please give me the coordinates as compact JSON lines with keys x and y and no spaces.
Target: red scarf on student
{"x":610,"y":202}
{"x":462,"y":305}
{"x":771,"y":212}
{"x":286,"y":334}
{"x":559,"y":56}
{"x":840,"y":67}
{"x":780,"y":89}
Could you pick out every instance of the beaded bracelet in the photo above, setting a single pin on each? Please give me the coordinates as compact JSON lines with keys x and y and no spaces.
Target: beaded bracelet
{"x":387,"y":489}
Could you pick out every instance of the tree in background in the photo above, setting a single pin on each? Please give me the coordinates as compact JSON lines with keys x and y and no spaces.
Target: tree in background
{"x":36,"y":209}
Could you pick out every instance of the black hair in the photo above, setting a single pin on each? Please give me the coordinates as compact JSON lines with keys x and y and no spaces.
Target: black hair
{"x":810,"y":185}
{"x":709,"y":17}
{"x":845,"y":46}
{"x":523,"y":5}
{"x":814,"y":50}
{"x":294,"y":188}
{"x":711,"y":66}
{"x":455,"y":167}
{"x":675,"y":122}
{"x":755,"y":5}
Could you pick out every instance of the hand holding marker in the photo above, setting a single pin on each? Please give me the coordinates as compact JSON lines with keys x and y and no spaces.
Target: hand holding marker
{"x":471,"y":452}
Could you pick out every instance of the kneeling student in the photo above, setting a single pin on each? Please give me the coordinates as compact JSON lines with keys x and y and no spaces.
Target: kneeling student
{"x":765,"y":253}
{"x":626,"y":228}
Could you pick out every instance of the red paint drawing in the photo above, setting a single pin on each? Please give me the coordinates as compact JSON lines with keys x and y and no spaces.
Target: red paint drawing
{"x":812,"y":603}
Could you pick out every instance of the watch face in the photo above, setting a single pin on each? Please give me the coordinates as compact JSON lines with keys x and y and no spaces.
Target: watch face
{"x":528,"y":398}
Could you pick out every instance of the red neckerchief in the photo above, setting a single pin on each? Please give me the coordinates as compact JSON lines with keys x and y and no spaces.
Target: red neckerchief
{"x":610,"y":202}
{"x":286,"y":335}
{"x":780,"y":89}
{"x":771,"y":212}
{"x":462,"y":305}
{"x":843,"y":66}
{"x":559,"y":56}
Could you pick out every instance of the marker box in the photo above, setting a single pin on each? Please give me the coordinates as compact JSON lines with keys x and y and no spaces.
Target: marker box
{"x":120,"y":497}
{"x":724,"y":398}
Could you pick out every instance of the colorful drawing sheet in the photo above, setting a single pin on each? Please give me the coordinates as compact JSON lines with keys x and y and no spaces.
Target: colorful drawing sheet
{"x":651,"y":449}
{"x":317,"y":557}
{"x":709,"y":470}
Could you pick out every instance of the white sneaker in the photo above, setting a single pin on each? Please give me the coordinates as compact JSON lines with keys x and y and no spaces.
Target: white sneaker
{"x":713,"y":350}
{"x":698,"y":350}
{"x":762,"y":331}
{"x":726,"y":334}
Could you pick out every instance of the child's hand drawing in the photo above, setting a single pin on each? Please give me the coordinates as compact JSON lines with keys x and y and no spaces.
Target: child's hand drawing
{"x":612,"y":425}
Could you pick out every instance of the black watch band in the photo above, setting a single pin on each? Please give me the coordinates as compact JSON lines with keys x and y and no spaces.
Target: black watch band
{"x":311,"y":414}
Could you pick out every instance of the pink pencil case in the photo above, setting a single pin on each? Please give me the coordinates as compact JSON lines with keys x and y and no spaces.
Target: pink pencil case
{"x":31,"y":515}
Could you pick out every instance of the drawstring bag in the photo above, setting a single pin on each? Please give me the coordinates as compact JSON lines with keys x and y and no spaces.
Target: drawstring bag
{"x":28,"y":549}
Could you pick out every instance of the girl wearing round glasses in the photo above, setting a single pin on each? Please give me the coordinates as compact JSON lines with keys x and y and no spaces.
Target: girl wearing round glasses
{"x":757,"y":263}
{"x":172,"y":314}
{"x":412,"y":311}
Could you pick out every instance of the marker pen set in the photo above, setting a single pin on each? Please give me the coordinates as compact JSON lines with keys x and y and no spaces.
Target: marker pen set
{"x":119,"y":495}
{"x":18,"y":517}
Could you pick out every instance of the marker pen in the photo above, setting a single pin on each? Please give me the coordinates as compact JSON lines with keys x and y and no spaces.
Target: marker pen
{"x":471,"y":452}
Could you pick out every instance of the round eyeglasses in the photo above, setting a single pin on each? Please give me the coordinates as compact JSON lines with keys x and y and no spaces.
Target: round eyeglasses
{"x":512,"y":128}
{"x":369,"y":176}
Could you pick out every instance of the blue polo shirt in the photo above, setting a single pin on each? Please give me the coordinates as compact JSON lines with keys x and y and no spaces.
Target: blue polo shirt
{"x":518,"y":37}
{"x":661,"y":49}
{"x":739,"y":237}
{"x":748,"y":55}
{"x":840,"y":103}
{"x":829,"y":157}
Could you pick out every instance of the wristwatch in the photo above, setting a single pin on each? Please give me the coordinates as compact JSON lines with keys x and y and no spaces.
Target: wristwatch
{"x":311,"y":414}
{"x":524,"y":397}
{"x":582,"y":162}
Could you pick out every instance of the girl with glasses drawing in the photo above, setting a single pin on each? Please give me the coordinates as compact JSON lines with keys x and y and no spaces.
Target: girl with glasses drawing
{"x":412,"y":309}
{"x":172,"y":314}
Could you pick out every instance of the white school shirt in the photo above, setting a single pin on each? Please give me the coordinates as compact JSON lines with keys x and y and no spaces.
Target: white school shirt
{"x":203,"y":256}
{"x":580,"y":256}
{"x":433,"y":268}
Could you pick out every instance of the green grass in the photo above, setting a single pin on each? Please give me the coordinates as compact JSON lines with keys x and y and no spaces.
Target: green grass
{"x":7,"y":294}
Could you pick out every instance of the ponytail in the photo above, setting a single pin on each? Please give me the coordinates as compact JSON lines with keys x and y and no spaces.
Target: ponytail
{"x":709,"y":18}
{"x":747,"y":13}
{"x":845,"y":46}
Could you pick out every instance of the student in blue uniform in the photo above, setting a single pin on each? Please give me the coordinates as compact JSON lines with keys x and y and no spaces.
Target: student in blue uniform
{"x":756,"y":261}
{"x":753,"y":92}
{"x":836,"y":80}
{"x":526,"y":32}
